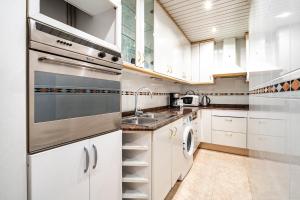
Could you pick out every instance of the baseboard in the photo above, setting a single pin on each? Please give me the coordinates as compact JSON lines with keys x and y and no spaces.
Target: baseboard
{"x":225,"y":149}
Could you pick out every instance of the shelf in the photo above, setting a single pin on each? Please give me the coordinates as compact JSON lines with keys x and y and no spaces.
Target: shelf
{"x":230,"y":75}
{"x":176,"y":80}
{"x":133,"y":194}
{"x":135,"y":163}
{"x":135,"y":147}
{"x":134,"y":179}
{"x":153,"y":73}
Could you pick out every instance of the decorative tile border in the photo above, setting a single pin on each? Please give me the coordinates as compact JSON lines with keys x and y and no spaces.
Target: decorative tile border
{"x":43,"y":90}
{"x":286,"y":86}
{"x":127,"y":93}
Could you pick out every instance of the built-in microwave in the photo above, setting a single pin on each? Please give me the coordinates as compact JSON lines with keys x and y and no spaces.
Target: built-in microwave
{"x":98,"y":21}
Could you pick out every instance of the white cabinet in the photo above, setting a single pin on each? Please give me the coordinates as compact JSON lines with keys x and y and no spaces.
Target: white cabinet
{"x":166,"y":167}
{"x":162,"y":162}
{"x":176,"y":150}
{"x":266,"y":135}
{"x":206,"y":126}
{"x":229,"y":138}
{"x":106,"y":173}
{"x":195,"y":64}
{"x":83,"y":170}
{"x":229,"y":128}
{"x":206,"y":62}
{"x":196,"y":123}
{"x":232,"y":124}
{"x":229,"y":52}
{"x":172,"y":51}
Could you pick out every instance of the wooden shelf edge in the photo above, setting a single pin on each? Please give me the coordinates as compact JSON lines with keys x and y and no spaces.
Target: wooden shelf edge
{"x":153,"y":73}
{"x":230,"y":75}
{"x":176,"y":80}
{"x":161,"y":76}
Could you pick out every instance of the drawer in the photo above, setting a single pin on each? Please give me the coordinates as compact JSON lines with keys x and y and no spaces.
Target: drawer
{"x":270,"y":127}
{"x":229,"y":139}
{"x":230,"y":113}
{"x":232,"y":124}
{"x":266,"y":143}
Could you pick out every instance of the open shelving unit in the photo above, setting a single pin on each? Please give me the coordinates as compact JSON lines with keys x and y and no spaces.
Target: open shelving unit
{"x":136,"y":181}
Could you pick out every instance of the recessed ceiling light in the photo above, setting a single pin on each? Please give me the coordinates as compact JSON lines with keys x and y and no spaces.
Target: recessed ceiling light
{"x":214,"y":30}
{"x":207,"y":5}
{"x":283,"y":15}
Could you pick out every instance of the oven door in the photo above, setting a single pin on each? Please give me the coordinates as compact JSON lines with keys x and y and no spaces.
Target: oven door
{"x":70,"y":100}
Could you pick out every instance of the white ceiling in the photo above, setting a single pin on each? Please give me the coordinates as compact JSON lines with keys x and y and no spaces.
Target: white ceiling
{"x":229,"y":17}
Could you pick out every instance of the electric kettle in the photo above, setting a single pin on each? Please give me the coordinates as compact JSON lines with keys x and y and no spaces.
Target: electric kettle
{"x":205,"y":101}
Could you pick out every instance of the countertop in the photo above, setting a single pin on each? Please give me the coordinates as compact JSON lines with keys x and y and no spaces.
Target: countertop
{"x":175,"y":114}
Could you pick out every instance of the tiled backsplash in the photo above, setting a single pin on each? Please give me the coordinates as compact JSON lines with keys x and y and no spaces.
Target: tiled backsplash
{"x":224,"y":91}
{"x":161,"y":89}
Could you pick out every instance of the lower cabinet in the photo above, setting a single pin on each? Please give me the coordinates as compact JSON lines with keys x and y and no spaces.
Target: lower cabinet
{"x":229,"y":128}
{"x":86,"y":170}
{"x":166,"y":163}
{"x":206,"y":126}
{"x":229,"y":138}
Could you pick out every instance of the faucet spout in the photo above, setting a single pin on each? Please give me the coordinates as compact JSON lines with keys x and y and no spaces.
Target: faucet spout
{"x":136,"y":110}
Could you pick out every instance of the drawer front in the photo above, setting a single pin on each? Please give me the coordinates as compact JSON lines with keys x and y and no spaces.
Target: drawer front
{"x":230,"y":113}
{"x":266,"y":143}
{"x":231,"y":124}
{"x":270,"y":127}
{"x":229,"y":139}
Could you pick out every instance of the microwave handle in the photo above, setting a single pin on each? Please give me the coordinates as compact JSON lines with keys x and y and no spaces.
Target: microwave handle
{"x":62,"y":62}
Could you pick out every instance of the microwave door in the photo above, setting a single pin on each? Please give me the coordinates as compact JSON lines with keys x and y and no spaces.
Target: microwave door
{"x":70,"y":100}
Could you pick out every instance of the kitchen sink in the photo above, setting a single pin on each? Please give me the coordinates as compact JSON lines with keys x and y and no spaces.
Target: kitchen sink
{"x":139,"y":120}
{"x":161,"y":115}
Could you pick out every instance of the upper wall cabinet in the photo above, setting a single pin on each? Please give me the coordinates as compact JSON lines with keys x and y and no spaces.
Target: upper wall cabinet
{"x":202,"y":62}
{"x":172,"y":51}
{"x":137,"y":32}
{"x":129,"y":30}
{"x":274,"y":43}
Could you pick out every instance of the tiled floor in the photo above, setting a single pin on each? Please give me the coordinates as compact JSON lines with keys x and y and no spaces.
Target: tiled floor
{"x":216,"y":176}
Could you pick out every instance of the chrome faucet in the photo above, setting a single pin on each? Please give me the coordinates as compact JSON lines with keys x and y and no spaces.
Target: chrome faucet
{"x":138,"y":112}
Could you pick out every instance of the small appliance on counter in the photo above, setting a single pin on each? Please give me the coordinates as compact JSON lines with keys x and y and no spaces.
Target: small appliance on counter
{"x":205,"y":101}
{"x":190,"y":99}
{"x":175,"y":101}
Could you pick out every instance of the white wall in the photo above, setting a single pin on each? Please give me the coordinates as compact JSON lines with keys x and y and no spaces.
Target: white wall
{"x":224,"y":91}
{"x":132,"y":81}
{"x":13,"y":100}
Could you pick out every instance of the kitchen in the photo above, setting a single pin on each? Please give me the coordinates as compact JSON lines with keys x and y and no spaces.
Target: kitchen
{"x":150,"y":99}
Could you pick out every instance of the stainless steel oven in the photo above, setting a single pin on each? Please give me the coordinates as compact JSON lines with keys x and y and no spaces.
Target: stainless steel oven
{"x":74,"y":91}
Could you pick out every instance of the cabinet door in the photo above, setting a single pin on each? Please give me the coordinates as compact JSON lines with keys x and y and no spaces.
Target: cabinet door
{"x":206,"y":61}
{"x":161,"y":162}
{"x":195,"y":63}
{"x":106,"y":167}
{"x":177,"y":150}
{"x":59,"y":173}
{"x":206,"y":126}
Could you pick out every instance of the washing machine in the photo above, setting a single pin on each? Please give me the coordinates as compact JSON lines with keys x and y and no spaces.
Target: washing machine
{"x":188,"y":142}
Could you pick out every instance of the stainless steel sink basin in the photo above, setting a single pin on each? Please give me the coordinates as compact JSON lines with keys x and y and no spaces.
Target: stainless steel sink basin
{"x":161,"y":115}
{"x":139,"y":120}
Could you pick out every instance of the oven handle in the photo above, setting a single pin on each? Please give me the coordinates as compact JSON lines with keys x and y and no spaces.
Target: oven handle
{"x":62,"y":62}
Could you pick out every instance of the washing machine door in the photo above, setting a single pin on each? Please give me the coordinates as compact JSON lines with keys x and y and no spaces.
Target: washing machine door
{"x":188,"y":142}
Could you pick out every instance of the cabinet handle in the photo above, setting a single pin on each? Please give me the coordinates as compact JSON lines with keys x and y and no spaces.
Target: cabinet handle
{"x":175,"y":130}
{"x":96,"y":156}
{"x":87,"y":160}
{"x":171,"y":132}
{"x":228,"y":120}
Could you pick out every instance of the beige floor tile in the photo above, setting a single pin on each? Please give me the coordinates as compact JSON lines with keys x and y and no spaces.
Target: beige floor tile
{"x":216,"y":176}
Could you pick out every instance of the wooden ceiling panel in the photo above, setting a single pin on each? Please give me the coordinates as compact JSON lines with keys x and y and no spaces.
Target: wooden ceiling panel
{"x":229,"y":18}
